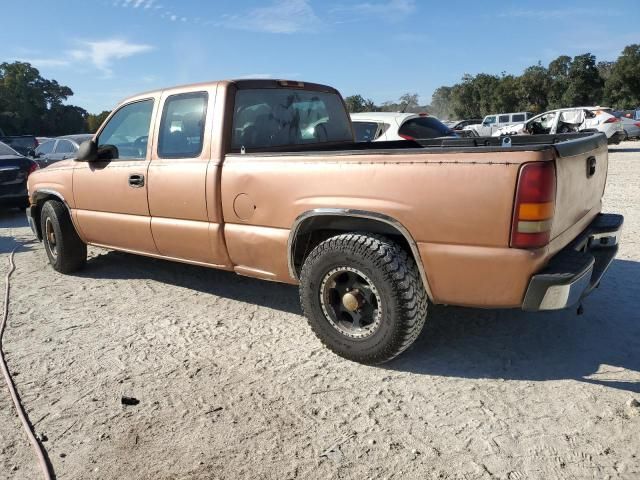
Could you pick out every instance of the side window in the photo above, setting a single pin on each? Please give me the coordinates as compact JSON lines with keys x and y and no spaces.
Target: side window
{"x":518,"y":117}
{"x":182,"y":125}
{"x":128,"y":131}
{"x":46,"y":147}
{"x":365,"y":131}
{"x":64,"y":146}
{"x":489,"y":120}
{"x":503,"y":119}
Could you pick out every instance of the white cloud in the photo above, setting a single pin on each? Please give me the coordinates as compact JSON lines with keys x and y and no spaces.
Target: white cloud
{"x":46,"y":62}
{"x":282,"y":16}
{"x":103,"y":53}
{"x":390,"y":9}
{"x":566,"y":13}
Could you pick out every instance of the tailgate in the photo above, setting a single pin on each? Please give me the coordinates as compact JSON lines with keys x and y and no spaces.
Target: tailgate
{"x":581,"y":174}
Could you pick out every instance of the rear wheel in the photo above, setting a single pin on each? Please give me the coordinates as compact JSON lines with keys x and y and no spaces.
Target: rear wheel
{"x":363,"y":297}
{"x":66,"y":251}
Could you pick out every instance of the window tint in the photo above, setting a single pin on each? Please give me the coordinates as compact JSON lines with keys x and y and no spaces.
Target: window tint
{"x":518,"y":117}
{"x":182,"y":125}
{"x":424,"y":127}
{"x":503,"y":119}
{"x":490,"y":120}
{"x":128,"y":131}
{"x":365,"y":131}
{"x":279,"y":117}
{"x":64,"y":146}
{"x":46,"y":147}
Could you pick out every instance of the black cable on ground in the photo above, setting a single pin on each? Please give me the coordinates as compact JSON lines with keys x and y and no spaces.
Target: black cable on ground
{"x":43,"y":460}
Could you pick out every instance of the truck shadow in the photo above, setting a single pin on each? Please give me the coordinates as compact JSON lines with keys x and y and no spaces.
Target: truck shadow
{"x":117,"y":265}
{"x":600,"y":347}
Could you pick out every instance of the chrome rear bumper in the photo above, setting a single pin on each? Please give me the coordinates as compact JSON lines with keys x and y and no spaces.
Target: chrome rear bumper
{"x":577,"y":269}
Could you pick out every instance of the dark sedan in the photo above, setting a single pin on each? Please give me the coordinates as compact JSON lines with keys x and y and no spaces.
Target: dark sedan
{"x":53,"y":150}
{"x":14,"y":170}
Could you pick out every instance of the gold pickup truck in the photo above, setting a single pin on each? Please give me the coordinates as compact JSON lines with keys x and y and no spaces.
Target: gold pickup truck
{"x":263,"y":177}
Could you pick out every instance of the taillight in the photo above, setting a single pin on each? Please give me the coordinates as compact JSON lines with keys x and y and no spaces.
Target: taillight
{"x":32,"y":168}
{"x":637,"y":124}
{"x":611,"y":120}
{"x":406,"y":137}
{"x":534,"y":205}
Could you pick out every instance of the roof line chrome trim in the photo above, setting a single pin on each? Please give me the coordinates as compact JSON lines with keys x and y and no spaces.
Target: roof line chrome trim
{"x":348,"y":212}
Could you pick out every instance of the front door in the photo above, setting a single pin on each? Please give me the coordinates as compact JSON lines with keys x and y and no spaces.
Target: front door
{"x":111,"y":196}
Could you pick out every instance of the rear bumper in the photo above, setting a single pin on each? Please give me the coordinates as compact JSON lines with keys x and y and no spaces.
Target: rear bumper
{"x":616,"y":138}
{"x":577,"y":269}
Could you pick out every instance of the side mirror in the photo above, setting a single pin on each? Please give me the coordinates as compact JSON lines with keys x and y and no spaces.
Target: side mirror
{"x":87,"y":152}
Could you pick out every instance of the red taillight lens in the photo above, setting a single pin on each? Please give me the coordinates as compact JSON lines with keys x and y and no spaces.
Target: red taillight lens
{"x":32,"y":168}
{"x":637,"y":124}
{"x":534,"y":205}
{"x":406,"y":137}
{"x":612,"y":120}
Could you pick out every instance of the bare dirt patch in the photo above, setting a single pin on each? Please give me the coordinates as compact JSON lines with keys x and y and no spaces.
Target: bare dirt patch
{"x":232,"y":384}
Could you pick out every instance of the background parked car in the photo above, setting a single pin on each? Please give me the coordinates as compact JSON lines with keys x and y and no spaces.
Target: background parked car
{"x":630,"y":125}
{"x":458,"y":125}
{"x":61,"y":148}
{"x":14,"y":171}
{"x":381,"y":126}
{"x":23,"y":144}
{"x":493,"y":122}
{"x":568,"y":120}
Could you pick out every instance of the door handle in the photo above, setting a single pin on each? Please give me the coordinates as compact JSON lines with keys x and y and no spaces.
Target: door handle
{"x":136,"y":180}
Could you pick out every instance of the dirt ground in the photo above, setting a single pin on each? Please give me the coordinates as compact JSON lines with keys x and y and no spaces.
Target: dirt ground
{"x":232,"y":383}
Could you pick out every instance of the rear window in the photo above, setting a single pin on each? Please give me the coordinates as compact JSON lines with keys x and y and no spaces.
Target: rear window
{"x":424,"y":127}
{"x":519,"y":117}
{"x":365,"y":131}
{"x":266,"y":118}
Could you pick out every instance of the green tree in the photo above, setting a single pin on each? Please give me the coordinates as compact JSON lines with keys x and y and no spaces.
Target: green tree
{"x":533,"y":89}
{"x":30,"y":103}
{"x":584,"y":83}
{"x":622,"y":88}
{"x":357,"y":103}
{"x":559,"y":79}
{"x":93,"y":121}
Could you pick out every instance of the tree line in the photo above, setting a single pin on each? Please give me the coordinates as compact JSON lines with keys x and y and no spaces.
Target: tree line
{"x":565,"y":82}
{"x":31,"y":104}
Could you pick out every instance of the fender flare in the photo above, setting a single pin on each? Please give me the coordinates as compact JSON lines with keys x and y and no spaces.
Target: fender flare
{"x":348,"y":212}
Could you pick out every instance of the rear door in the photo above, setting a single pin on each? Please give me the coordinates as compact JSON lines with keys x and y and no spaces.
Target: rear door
{"x":184,"y":182}
{"x":111,"y":196}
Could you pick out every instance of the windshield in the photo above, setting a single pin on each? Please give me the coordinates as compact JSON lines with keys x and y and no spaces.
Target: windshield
{"x":6,"y":150}
{"x":278,"y":117}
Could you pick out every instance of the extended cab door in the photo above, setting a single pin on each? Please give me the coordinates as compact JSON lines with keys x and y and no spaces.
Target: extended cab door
{"x":184,"y":181}
{"x":111,"y":196}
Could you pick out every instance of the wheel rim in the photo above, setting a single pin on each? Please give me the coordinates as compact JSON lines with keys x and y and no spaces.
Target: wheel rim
{"x":351,"y":302}
{"x":50,"y":235}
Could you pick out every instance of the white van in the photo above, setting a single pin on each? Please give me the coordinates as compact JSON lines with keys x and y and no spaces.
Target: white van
{"x":491,"y":123}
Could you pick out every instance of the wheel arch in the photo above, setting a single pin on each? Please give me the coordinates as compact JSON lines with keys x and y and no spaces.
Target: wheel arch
{"x":38,"y":199}
{"x":314,"y":226}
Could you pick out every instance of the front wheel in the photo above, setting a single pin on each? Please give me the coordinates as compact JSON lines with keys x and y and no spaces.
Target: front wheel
{"x":363,"y":297}
{"x":66,"y":251}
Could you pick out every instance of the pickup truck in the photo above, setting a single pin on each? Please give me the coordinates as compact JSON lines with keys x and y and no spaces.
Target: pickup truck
{"x":263,"y":178}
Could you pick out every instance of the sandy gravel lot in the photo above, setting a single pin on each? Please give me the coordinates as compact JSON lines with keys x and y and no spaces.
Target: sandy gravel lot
{"x":232,"y":383}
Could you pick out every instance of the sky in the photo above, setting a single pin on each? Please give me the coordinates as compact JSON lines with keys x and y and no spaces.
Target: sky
{"x":106,"y":50}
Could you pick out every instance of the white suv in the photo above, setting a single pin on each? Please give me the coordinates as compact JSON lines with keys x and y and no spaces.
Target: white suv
{"x":387,"y":126}
{"x":491,"y":123}
{"x":568,"y":120}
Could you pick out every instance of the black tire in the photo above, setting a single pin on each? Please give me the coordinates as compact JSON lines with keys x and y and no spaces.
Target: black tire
{"x":66,"y":252}
{"x":397,"y":297}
